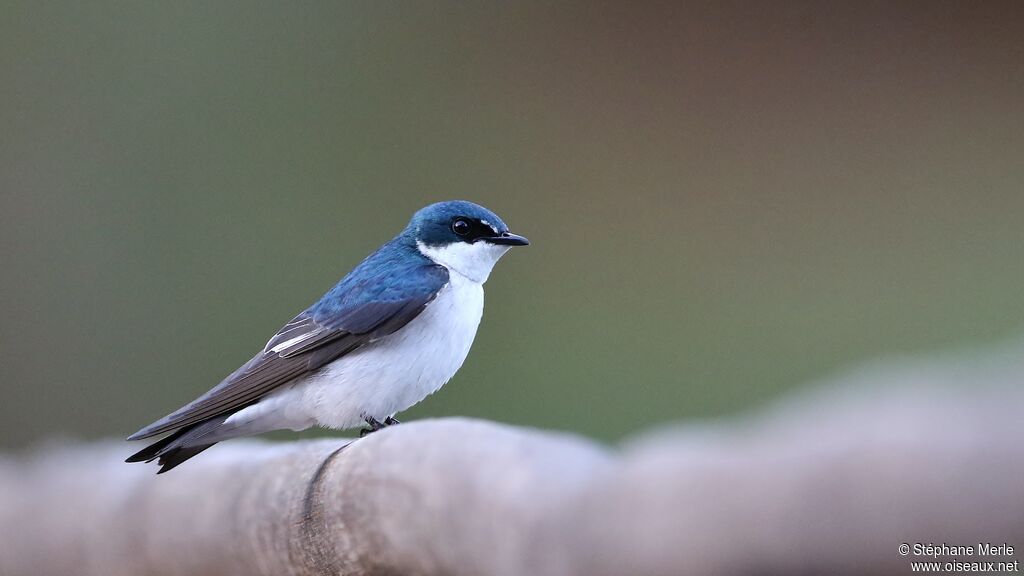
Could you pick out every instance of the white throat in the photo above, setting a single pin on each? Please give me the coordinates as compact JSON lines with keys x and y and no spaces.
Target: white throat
{"x":474,"y":261}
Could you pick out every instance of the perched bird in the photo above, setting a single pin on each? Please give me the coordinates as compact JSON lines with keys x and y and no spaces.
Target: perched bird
{"x":393,"y":331}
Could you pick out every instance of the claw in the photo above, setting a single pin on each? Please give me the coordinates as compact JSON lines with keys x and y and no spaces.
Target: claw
{"x":375,"y":425}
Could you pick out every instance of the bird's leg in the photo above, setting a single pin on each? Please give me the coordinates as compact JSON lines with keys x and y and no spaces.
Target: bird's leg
{"x":374,"y":426}
{"x":391,"y":421}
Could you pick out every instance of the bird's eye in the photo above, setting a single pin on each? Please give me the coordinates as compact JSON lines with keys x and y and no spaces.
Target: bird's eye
{"x":460,"y":227}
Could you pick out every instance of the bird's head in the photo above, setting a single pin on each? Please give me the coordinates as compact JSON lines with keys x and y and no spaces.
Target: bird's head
{"x":463,"y":237}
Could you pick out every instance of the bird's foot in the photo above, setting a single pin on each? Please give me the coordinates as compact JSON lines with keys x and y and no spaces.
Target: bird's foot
{"x":375,"y":425}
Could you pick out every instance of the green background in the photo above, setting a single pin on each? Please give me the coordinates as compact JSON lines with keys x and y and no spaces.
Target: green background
{"x":725,"y":200}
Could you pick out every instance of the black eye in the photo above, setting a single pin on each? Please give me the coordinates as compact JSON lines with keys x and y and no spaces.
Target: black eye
{"x":460,"y":227}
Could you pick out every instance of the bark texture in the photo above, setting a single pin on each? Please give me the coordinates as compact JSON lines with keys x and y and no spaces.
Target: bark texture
{"x":831,"y":481}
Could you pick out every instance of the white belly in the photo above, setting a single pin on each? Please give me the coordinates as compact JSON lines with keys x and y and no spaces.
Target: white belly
{"x":388,"y":375}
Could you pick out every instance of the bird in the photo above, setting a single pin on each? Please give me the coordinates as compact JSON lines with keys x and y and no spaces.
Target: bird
{"x":390,"y":333}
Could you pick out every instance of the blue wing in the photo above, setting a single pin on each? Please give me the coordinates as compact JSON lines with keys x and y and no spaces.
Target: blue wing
{"x":382,"y":294}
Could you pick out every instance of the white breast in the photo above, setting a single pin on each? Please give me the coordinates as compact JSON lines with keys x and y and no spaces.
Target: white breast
{"x":397,"y":371}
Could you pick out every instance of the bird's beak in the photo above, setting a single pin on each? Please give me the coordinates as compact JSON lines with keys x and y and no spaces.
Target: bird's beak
{"x":508,"y":239}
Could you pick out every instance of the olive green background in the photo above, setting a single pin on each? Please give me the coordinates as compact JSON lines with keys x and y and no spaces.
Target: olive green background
{"x":725,"y":200}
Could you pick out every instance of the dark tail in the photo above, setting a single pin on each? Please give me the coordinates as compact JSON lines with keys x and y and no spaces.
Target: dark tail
{"x":180,"y":445}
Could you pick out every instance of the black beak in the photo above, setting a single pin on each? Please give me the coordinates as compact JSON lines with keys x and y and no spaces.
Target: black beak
{"x":507,"y":239}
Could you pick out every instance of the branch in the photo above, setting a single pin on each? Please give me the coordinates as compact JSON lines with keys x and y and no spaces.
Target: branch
{"x":831,"y":482}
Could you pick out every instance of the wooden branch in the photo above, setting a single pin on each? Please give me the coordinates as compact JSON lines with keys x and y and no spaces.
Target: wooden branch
{"x":830,"y":483}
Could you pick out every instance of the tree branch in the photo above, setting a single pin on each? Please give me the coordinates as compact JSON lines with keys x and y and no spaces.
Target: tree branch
{"x":831,"y":482}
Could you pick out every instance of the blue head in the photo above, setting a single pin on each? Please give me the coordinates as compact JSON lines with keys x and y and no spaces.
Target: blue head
{"x":461,"y":236}
{"x":460,"y":221}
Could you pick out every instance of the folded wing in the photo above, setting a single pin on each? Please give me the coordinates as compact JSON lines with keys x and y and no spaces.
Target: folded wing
{"x":317,"y":336}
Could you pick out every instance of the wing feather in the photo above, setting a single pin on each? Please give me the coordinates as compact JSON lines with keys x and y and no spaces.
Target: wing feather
{"x":312,"y":339}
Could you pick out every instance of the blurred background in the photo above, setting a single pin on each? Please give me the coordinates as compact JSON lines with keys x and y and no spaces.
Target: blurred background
{"x":726,"y":200}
